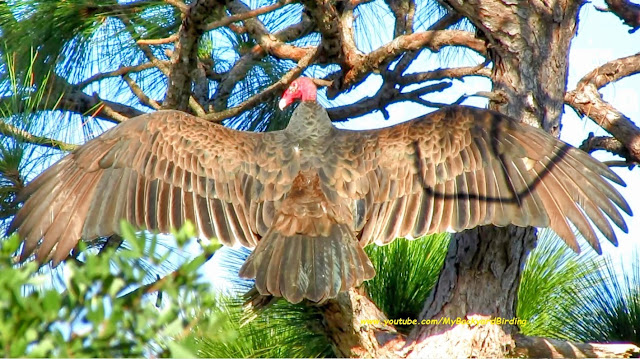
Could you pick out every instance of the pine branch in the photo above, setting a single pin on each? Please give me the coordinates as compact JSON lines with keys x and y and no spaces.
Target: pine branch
{"x":142,"y":97}
{"x":245,"y":63}
{"x":72,"y":98}
{"x":271,"y":91}
{"x":124,"y":70}
{"x":24,"y":136}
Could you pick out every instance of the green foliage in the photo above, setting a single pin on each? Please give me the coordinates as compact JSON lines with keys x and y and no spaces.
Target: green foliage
{"x":64,"y":33}
{"x":608,"y":310}
{"x":405,"y":273}
{"x":579,"y":298}
{"x":283,"y":330}
{"x":105,"y":310}
{"x":596,"y":302}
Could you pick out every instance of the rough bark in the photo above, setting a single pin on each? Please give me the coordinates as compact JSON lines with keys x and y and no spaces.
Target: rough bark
{"x":479,"y":281}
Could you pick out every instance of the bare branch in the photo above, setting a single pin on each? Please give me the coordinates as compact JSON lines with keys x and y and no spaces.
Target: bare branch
{"x":24,"y":136}
{"x":266,"y":93}
{"x":179,"y":4}
{"x":247,"y":15}
{"x":245,"y":63}
{"x":448,"y":73}
{"x":384,"y":97}
{"x":612,"y":71}
{"x":403,"y":11}
{"x":142,"y":97}
{"x":430,"y":39}
{"x":627,"y":11}
{"x":586,"y":101}
{"x":609,"y":144}
{"x":221,"y":23}
{"x":110,"y":109}
{"x":266,"y":41}
{"x":166,"y":40}
{"x":119,"y":72}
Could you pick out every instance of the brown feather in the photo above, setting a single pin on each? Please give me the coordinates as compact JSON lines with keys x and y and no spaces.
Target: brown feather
{"x":311,"y":196}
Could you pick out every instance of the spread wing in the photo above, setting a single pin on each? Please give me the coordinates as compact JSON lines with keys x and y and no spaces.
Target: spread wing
{"x":461,"y":167}
{"x":156,"y":171}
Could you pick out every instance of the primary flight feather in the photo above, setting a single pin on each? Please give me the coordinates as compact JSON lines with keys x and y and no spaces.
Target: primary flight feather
{"x":311,"y":196}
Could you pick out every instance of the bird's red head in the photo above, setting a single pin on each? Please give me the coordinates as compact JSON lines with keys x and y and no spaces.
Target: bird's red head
{"x":302,"y":89}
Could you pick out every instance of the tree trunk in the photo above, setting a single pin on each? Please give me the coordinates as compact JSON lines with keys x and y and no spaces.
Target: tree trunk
{"x":478,"y":283}
{"x":529,"y":45}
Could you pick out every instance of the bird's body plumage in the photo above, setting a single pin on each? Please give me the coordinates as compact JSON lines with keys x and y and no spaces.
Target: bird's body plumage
{"x":310,"y":197}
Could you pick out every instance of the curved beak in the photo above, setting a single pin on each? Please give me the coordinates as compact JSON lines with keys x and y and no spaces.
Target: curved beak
{"x":283,"y":103}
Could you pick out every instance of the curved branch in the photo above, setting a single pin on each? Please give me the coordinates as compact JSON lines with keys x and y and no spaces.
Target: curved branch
{"x":276,"y":40}
{"x":384,"y":97}
{"x":587,"y":101}
{"x":609,"y":144}
{"x":433,"y":40}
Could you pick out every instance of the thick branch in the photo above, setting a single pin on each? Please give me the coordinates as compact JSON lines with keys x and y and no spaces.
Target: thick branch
{"x":327,"y":18}
{"x":184,"y":57}
{"x":627,"y":11}
{"x":356,"y":327}
{"x":612,"y":71}
{"x":24,"y":136}
{"x":536,"y":347}
{"x":267,"y":41}
{"x":606,"y":143}
{"x":79,"y":102}
{"x":586,"y":100}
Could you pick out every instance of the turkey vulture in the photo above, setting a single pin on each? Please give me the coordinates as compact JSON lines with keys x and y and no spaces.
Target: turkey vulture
{"x":311,"y":196}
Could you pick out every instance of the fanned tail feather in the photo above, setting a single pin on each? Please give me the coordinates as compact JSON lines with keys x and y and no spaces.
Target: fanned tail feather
{"x":299,"y":266}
